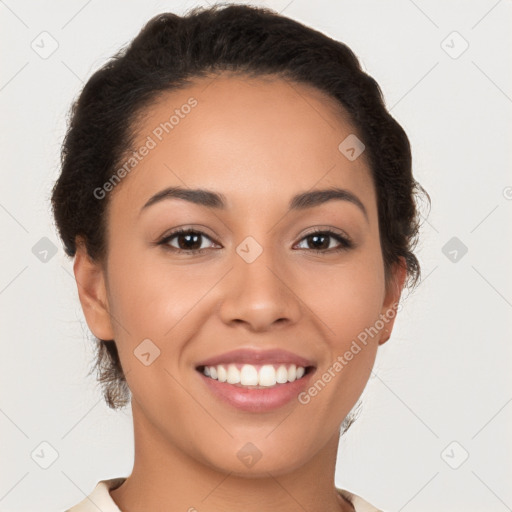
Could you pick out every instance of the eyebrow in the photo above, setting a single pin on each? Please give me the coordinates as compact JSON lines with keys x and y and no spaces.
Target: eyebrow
{"x":211,"y":199}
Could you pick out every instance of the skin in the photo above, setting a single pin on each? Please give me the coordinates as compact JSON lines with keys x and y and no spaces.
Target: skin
{"x":258,"y":142}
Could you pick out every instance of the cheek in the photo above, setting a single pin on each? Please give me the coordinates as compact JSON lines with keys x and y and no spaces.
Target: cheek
{"x":347,"y":303}
{"x":154,"y":300}
{"x":346,"y":307}
{"x":347,"y":298}
{"x":148,"y":293}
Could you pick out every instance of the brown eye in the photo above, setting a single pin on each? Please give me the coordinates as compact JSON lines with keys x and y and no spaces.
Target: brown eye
{"x":320,"y":241}
{"x":187,"y":240}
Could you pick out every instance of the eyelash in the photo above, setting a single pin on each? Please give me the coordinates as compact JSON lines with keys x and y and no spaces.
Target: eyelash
{"x":345,"y":242}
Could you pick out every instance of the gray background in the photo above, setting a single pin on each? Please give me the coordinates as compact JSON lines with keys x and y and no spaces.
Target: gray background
{"x":441,"y":389}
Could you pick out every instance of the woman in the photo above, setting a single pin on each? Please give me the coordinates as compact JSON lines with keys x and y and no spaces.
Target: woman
{"x":241,"y":211}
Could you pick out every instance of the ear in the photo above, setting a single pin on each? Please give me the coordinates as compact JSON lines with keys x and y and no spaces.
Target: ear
{"x":392,"y":298}
{"x":92,"y":291}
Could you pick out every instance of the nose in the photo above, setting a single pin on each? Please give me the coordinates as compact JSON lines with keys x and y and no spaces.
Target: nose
{"x":259,"y":294}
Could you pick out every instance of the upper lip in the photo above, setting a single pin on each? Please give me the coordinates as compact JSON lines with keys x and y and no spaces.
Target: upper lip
{"x":254,"y":356}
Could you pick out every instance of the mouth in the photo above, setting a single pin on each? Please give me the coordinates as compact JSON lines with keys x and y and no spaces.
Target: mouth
{"x":252,"y":376}
{"x":256,"y":381}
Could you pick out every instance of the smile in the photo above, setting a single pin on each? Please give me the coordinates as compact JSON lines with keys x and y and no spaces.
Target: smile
{"x":253,"y":388}
{"x":254,"y":376}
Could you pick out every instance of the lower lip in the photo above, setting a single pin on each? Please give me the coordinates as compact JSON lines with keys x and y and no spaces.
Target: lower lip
{"x":257,"y":400}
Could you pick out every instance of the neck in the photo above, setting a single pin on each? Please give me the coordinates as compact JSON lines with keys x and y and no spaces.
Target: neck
{"x":164,"y":477}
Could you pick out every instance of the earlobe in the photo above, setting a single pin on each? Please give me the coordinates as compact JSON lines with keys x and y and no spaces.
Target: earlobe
{"x":92,"y":293}
{"x":391,"y":301}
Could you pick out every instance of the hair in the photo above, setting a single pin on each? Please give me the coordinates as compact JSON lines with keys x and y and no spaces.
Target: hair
{"x":167,"y":54}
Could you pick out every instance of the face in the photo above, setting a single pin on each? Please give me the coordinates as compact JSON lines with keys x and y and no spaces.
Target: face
{"x":293,"y":281}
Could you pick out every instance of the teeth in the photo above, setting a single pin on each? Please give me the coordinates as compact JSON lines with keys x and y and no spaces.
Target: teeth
{"x":282,"y":375}
{"x":292,"y":373}
{"x":233,"y":374}
{"x":268,"y":375}
{"x":249,"y":375}
{"x":222,"y":374}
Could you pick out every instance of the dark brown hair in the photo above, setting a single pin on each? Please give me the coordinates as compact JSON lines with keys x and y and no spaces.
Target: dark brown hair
{"x":167,"y":54}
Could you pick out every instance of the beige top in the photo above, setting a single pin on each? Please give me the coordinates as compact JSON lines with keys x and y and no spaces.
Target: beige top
{"x":100,"y":499}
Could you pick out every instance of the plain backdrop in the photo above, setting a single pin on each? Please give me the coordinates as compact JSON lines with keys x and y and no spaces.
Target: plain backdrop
{"x":432,"y":433}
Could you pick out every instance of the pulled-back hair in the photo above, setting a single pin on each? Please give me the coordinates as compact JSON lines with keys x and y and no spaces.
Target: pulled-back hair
{"x":166,"y":55}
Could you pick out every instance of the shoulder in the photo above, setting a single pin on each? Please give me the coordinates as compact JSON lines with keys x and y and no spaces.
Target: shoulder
{"x":99,"y":498}
{"x":359,"y":504}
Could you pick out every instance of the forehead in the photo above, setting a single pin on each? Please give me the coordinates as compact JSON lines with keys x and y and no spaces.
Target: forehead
{"x":253,"y":139}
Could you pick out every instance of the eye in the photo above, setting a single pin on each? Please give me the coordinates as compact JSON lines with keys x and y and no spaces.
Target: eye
{"x":188,"y":241}
{"x":319,"y":237}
